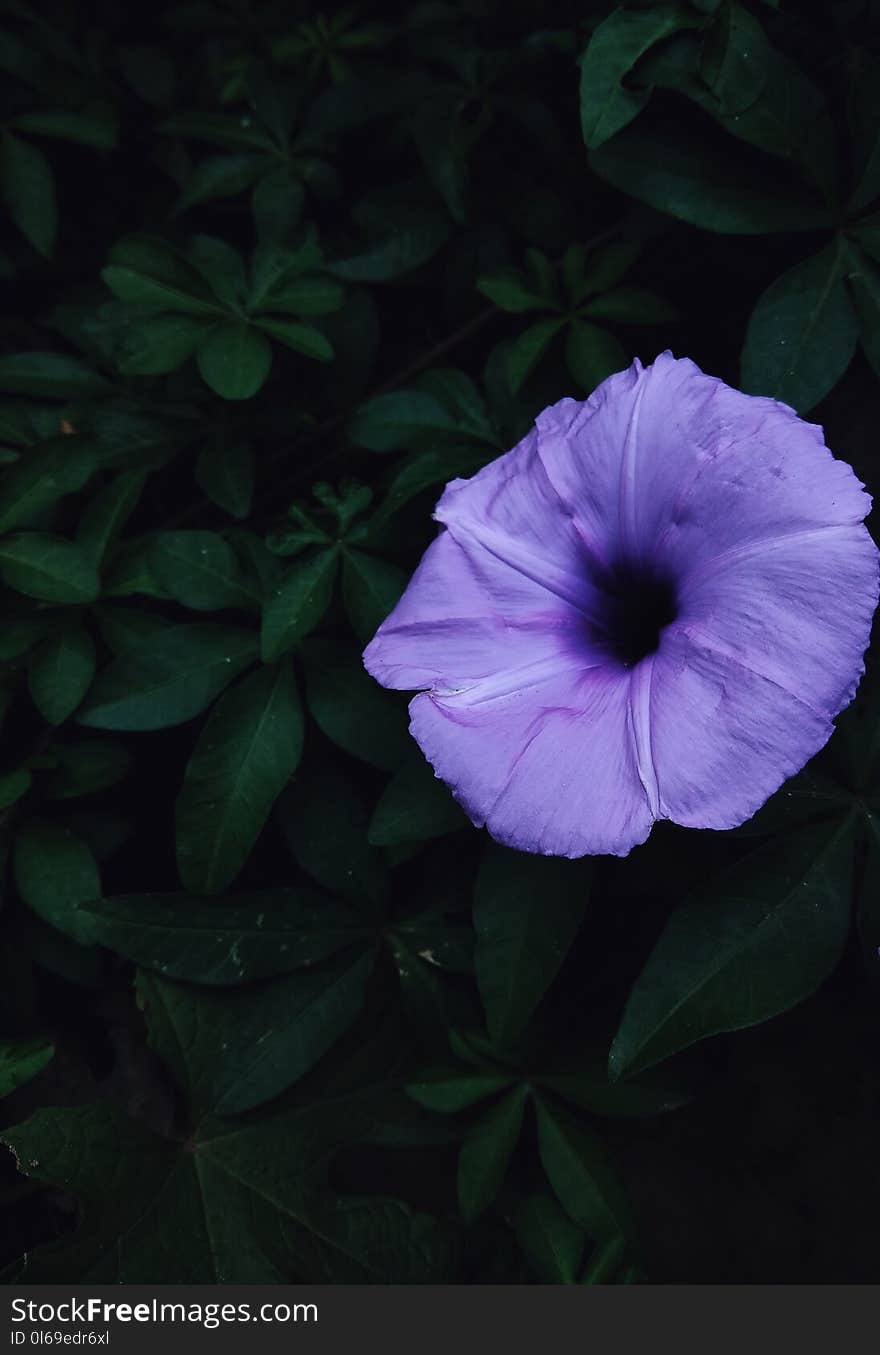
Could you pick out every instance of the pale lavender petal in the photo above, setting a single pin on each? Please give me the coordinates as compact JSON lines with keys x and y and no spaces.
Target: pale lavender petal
{"x":550,"y":769}
{"x":723,"y":738}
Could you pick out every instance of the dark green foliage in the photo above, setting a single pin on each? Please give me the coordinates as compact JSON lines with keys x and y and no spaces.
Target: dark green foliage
{"x":272,"y":1010}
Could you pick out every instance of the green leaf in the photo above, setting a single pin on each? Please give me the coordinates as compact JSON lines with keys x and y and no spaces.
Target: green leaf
{"x":48,"y":568}
{"x":201,"y":571}
{"x":415,"y":806}
{"x":225,"y":472}
{"x":631,"y":305}
{"x":230,"y":1205}
{"x":50,"y":374}
{"x":106,"y":514}
{"x":393,"y":421}
{"x":87,"y":129}
{"x":370,"y":589}
{"x":527,"y":911}
{"x":553,"y":1244}
{"x":592,"y":354}
{"x":417,"y":236}
{"x":84,"y":768}
{"x":224,"y":942}
{"x":234,"y":361}
{"x":863,"y":278}
{"x":527,"y":349}
{"x":220,"y":176}
{"x":510,"y":292}
{"x":802,"y":333}
{"x":305,"y":339}
{"x":55,"y":871}
{"x":251,"y":1043}
{"x":297,"y":603}
{"x":41,"y":477}
{"x":486,"y":1153}
{"x":607,"y":105}
{"x":21,"y":1060}
{"x":14,"y":786}
{"x":580,"y":1172}
{"x":245,"y":755}
{"x":168,"y":678}
{"x":864,"y":120}
{"x":277,"y":205}
{"x":60,"y":673}
{"x":27,"y":188}
{"x":735,"y":58}
{"x":351,"y":709}
{"x":304,"y":296}
{"x":449,"y":1092}
{"x":757,"y":940}
{"x":708,"y":182}
{"x":324,"y":821}
{"x":160,"y":343}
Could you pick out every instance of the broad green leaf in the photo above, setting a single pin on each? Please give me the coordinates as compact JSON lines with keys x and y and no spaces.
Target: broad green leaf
{"x":511,"y":292}
{"x":415,"y":806}
{"x":224,"y":942}
{"x":87,"y":129}
{"x":242,"y":1205}
{"x":607,"y":104}
{"x":234,"y":360}
{"x":60,"y":672}
{"x":753,"y":943}
{"x":486,"y":1153}
{"x":580,"y":1172}
{"x":277,"y":204}
{"x":226,"y":472}
{"x":86,"y":767}
{"x":449,"y":1092}
{"x":55,"y":871}
{"x":864,"y":120}
{"x":528,"y":348}
{"x":553,"y":1244}
{"x":592,"y":354}
{"x":324,"y":821}
{"x":41,"y":477}
{"x":304,"y":296}
{"x":201,"y":571}
{"x":297,"y":603}
{"x":220,"y":176}
{"x":418,"y":235}
{"x":351,"y":709}
{"x":712,"y":183}
{"x":27,"y":188}
{"x":370,"y":588}
{"x":802,"y":333}
{"x":140,"y":289}
{"x":55,"y":375}
{"x":106,"y":514}
{"x":251,"y":1043}
{"x":393,"y":421}
{"x":735,"y":59}
{"x":48,"y":568}
{"x":305,"y":339}
{"x":527,"y":911}
{"x":631,"y":305}
{"x":244,"y":757}
{"x":586,"y":1083}
{"x":20,"y":1060}
{"x":14,"y":786}
{"x":160,"y":343}
{"x":168,"y":678}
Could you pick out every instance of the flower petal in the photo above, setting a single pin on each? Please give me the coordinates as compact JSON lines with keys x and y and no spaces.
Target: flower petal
{"x":723,"y":738}
{"x":797,"y":610}
{"x":550,"y":770}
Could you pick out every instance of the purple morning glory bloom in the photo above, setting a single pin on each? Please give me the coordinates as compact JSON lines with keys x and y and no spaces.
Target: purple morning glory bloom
{"x":652,"y":608}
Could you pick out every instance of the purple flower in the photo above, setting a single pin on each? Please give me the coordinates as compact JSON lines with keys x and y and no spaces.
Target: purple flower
{"x":652,"y":608}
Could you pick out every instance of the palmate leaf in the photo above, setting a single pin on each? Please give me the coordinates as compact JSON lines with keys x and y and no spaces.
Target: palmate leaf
{"x":755,"y":942}
{"x":527,"y":911}
{"x":239,"y":1204}
{"x":245,"y":755}
{"x":803,"y":332}
{"x":238,"y":939}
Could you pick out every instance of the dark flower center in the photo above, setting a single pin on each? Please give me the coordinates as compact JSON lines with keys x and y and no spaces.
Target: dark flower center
{"x":638,"y":602}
